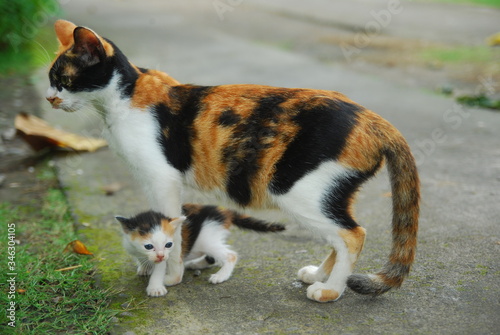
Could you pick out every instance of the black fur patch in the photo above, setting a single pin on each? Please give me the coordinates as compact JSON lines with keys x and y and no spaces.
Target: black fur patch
{"x":248,"y":141}
{"x":229,"y":118}
{"x":324,"y":127}
{"x":335,"y":204}
{"x":194,"y":222}
{"x":179,"y":124}
{"x":144,"y":222}
{"x":93,"y":77}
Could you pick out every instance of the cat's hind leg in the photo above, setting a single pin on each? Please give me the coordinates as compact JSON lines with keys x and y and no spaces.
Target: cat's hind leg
{"x":321,"y":200}
{"x":348,"y":245}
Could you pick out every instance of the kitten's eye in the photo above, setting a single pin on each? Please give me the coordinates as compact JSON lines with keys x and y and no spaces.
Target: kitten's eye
{"x":169,"y":245}
{"x":148,"y":246}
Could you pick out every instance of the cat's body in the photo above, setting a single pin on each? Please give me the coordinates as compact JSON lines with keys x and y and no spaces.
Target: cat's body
{"x":303,"y":151}
{"x":150,"y":236}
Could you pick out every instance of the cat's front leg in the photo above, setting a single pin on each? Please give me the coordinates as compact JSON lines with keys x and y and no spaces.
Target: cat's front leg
{"x":156,"y":288}
{"x":175,"y":266}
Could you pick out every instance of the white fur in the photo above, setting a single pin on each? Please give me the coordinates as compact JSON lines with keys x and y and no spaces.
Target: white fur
{"x":307,"y":211}
{"x":148,"y":262}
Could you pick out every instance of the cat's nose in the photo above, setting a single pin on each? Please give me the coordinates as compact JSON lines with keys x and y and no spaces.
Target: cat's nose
{"x":51,"y":100}
{"x":159,"y":258}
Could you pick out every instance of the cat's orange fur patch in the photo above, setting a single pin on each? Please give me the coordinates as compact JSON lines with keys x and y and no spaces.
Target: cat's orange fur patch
{"x":148,"y":91}
{"x":363,"y":148}
{"x":328,"y":295}
{"x":167,"y":227}
{"x":330,"y":262}
{"x":354,"y":239}
{"x":136,"y":235}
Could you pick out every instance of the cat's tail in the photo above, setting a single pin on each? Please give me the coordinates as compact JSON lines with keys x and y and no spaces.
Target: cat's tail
{"x":405,"y":188}
{"x":251,"y":223}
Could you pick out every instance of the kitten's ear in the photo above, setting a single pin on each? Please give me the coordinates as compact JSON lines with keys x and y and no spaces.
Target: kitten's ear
{"x":88,"y":46}
{"x":64,"y":32}
{"x":178,"y":221}
{"x":126,"y":223}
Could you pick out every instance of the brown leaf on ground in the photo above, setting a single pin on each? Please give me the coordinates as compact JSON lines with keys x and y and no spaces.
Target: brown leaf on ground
{"x":77,"y":247}
{"x":112,"y":188}
{"x":40,"y":135}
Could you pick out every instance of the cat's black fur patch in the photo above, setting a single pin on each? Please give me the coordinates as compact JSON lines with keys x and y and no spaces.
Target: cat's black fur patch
{"x":143,"y":223}
{"x":248,"y":142}
{"x":195,"y":220}
{"x":324,"y":128}
{"x":229,"y":118}
{"x":177,"y":146}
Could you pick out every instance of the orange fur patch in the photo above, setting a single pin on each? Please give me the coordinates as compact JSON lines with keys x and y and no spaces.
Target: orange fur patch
{"x":329,"y":262}
{"x":363,"y":149}
{"x":328,"y":295}
{"x":354,"y":239}
{"x":167,"y":227}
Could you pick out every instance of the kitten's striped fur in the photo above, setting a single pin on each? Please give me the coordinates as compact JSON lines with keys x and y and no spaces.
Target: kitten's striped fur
{"x":303,"y":151}
{"x":149,"y":237}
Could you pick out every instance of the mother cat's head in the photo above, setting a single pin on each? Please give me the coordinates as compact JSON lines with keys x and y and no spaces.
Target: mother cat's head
{"x":85,"y":65}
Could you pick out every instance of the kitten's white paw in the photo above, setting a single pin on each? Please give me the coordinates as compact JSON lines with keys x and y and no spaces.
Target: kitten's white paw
{"x":171,"y":280}
{"x":156,"y":291}
{"x":309,"y":274}
{"x":320,"y":292}
{"x":217,"y":278}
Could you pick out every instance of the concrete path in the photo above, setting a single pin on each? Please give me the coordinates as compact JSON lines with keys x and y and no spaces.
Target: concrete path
{"x":455,"y":284}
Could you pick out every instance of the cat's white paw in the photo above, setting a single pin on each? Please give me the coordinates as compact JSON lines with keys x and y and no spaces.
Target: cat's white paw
{"x":309,"y":274}
{"x":320,"y":292}
{"x":156,"y":291}
{"x":217,"y":278}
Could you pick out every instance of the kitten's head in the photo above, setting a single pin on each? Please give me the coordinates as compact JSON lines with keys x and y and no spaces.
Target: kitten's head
{"x":151,"y":234}
{"x":83,"y":65}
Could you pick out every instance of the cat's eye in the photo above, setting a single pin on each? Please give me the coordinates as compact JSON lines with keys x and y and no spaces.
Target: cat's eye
{"x":66,"y":80}
{"x":148,"y":246}
{"x":169,"y":245}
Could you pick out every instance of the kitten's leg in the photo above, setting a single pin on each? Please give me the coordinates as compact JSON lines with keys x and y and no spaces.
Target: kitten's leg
{"x":155,"y":287}
{"x":228,"y":260}
{"x":199,"y":263}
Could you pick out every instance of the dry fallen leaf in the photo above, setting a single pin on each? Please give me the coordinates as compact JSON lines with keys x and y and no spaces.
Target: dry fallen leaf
{"x":39,"y":135}
{"x":69,"y":268}
{"x":77,"y":247}
{"x":112,"y":188}
{"x":20,"y":291}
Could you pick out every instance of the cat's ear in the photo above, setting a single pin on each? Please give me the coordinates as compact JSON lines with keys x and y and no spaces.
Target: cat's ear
{"x":126,"y":223}
{"x":178,"y":221}
{"x":64,"y":32}
{"x":88,"y":46}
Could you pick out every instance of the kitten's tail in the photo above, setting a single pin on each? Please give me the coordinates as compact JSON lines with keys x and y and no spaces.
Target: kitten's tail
{"x":251,"y":223}
{"x":405,"y":188}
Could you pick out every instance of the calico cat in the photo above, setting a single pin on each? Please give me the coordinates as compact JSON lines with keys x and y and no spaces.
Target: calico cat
{"x":303,"y":151}
{"x":149,"y":238}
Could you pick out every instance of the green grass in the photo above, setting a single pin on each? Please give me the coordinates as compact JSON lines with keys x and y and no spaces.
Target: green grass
{"x":49,"y":301}
{"x":490,"y":3}
{"x":462,"y":54}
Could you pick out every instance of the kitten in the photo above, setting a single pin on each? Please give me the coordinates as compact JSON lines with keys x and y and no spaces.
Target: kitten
{"x":149,"y":238}
{"x":305,"y":152}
